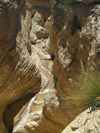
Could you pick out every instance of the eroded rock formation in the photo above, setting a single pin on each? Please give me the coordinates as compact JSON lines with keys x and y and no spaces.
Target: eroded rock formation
{"x":19,"y":75}
{"x":85,"y":123}
{"x":42,"y":48}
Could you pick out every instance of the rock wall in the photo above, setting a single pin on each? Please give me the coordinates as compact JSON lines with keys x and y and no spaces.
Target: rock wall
{"x":44,"y":45}
{"x":85,"y":123}
{"x":75,"y":44}
{"x":19,"y":75}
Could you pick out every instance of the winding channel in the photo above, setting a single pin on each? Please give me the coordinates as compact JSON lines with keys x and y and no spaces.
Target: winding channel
{"x":50,"y":85}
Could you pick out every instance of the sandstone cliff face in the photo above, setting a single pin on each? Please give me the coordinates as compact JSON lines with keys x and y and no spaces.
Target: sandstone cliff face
{"x":39,"y":40}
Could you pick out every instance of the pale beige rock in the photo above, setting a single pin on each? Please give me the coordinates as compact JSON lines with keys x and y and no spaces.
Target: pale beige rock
{"x":74,"y":41}
{"x":18,"y":73}
{"x":85,"y":123}
{"x":42,"y":60}
{"x":29,"y":123}
{"x":73,"y":44}
{"x":37,"y":33}
{"x":38,"y":19}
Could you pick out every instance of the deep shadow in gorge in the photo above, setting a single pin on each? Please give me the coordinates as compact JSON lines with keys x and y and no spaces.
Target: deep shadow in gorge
{"x":12,"y":110}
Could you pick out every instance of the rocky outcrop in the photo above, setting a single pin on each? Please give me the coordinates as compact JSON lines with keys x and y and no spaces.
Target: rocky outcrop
{"x":19,"y":75}
{"x":40,"y":41}
{"x":75,"y":44}
{"x":41,"y":49}
{"x":85,"y":123}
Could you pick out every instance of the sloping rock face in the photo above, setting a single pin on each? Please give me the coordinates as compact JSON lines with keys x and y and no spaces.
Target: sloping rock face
{"x":85,"y":123}
{"x":32,"y":61}
{"x":75,"y":42}
{"x":37,"y":47}
{"x":19,"y":76}
{"x":33,"y":120}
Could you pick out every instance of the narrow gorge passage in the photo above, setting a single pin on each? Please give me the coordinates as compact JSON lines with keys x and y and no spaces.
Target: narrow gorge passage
{"x":49,"y":50}
{"x":47,"y":73}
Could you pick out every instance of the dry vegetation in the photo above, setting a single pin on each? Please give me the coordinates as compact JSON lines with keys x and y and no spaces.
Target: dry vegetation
{"x":86,"y":88}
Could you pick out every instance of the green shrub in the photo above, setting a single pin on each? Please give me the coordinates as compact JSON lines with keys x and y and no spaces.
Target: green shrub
{"x":87,"y":88}
{"x":94,"y":106}
{"x":55,"y":80}
{"x":68,"y":2}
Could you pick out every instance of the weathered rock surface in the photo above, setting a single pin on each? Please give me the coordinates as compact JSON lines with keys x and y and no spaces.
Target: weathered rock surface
{"x":42,"y":6}
{"x":85,"y":123}
{"x":19,"y":76}
{"x":40,"y":41}
{"x":75,"y":44}
{"x":30,"y":39}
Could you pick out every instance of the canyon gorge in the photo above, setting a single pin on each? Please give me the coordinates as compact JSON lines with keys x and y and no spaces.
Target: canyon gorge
{"x":44,"y":46}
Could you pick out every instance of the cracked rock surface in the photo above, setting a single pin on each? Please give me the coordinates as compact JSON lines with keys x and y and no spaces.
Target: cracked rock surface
{"x":41,"y":42}
{"x":85,"y":123}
